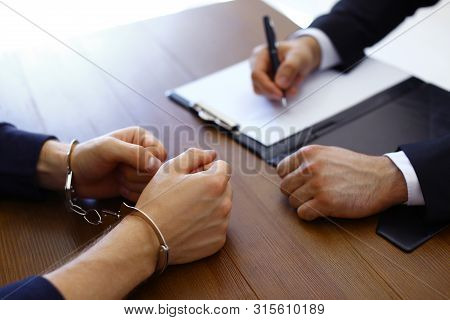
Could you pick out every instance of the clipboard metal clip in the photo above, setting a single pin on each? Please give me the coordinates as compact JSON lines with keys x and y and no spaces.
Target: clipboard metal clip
{"x":206,"y":114}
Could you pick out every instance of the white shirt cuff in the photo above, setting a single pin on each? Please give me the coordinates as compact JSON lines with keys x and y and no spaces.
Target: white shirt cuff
{"x":415,"y":196}
{"x":330,"y":56}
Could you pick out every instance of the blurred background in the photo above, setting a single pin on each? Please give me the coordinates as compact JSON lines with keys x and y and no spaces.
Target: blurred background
{"x":421,"y":45}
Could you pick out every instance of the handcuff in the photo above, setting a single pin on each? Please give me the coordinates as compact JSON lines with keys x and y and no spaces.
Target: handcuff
{"x":95,"y":218}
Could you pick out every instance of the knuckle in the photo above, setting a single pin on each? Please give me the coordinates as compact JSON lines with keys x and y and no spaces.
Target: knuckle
{"x":312,"y":168}
{"x":225,"y":165}
{"x":165,"y":167}
{"x":223,"y":228}
{"x":316,"y":184}
{"x":313,"y":148}
{"x":258,"y":49}
{"x":216,"y":185}
{"x":106,"y":142}
{"x":140,"y":150}
{"x":305,"y":170}
{"x":255,"y":76}
{"x":222,"y":241}
{"x":325,"y":200}
{"x":281,"y":167}
{"x":226,"y":207}
{"x":289,"y":66}
{"x":284,"y":187}
{"x":191,"y":151}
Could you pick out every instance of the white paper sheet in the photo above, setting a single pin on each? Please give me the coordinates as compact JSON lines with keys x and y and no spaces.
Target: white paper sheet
{"x":321,"y":96}
{"x":420,"y":45}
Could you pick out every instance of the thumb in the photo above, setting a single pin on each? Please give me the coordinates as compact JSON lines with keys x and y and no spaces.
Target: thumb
{"x":309,"y":210}
{"x":219,"y":168}
{"x":192,"y":159}
{"x":288,"y":70}
{"x":133,"y":155}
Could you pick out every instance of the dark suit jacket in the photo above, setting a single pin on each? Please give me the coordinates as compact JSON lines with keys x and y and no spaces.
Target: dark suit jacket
{"x":19,"y":154}
{"x":353,"y":25}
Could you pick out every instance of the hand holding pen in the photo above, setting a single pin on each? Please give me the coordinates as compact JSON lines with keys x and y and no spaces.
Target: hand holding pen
{"x":297,"y":58}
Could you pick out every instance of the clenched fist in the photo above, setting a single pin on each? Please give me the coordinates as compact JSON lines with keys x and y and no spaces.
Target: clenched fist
{"x":335,"y":182}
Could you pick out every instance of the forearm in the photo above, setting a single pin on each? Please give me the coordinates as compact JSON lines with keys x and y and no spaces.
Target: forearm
{"x":113,"y":266}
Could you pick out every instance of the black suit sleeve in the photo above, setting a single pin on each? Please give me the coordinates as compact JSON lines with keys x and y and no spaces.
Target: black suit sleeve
{"x":19,"y":154}
{"x":431,"y":162}
{"x":32,"y":288}
{"x":353,"y":25}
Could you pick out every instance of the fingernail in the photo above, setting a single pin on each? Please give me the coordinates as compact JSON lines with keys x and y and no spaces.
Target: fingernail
{"x":153,"y":164}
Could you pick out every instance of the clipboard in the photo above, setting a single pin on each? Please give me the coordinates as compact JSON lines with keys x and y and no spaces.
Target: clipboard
{"x":273,"y":153}
{"x":403,"y":226}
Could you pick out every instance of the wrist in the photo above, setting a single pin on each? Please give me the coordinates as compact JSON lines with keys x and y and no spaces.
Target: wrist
{"x":115,"y":265}
{"x":51,"y":166}
{"x":394,"y":186}
{"x":144,"y":242}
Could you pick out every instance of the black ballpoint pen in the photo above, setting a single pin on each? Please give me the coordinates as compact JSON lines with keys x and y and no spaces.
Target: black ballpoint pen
{"x":273,"y":51}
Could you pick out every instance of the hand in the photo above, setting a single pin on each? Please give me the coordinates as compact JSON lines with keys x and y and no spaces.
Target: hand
{"x":298,"y":58}
{"x":190,"y":200}
{"x":335,"y":182}
{"x":119,"y":163}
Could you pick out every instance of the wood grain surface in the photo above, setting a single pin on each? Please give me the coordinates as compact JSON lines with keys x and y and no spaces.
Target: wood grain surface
{"x":94,"y":84}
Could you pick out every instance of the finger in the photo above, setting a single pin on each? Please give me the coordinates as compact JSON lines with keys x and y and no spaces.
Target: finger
{"x":289,"y":69}
{"x":301,"y":196}
{"x":257,"y":88}
{"x":130,"y":195}
{"x":127,"y":173}
{"x":203,"y":168}
{"x":294,"y":90}
{"x":154,"y":146}
{"x":132,"y":155}
{"x":265,"y":86}
{"x":142,"y":137}
{"x":225,"y":201}
{"x":260,"y":65}
{"x":219,"y":168}
{"x":133,"y":186}
{"x":294,"y":180}
{"x":309,"y":210}
{"x":219,"y":174}
{"x":229,"y":191}
{"x":192,"y":159}
{"x":152,"y":165}
{"x":290,"y":163}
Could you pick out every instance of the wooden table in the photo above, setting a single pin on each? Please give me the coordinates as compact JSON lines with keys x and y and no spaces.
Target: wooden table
{"x":104,"y":82}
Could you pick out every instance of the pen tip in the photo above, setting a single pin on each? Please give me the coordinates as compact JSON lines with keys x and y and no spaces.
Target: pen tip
{"x":284,"y":102}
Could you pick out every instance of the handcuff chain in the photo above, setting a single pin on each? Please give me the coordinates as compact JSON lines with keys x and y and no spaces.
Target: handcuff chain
{"x":91,"y":216}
